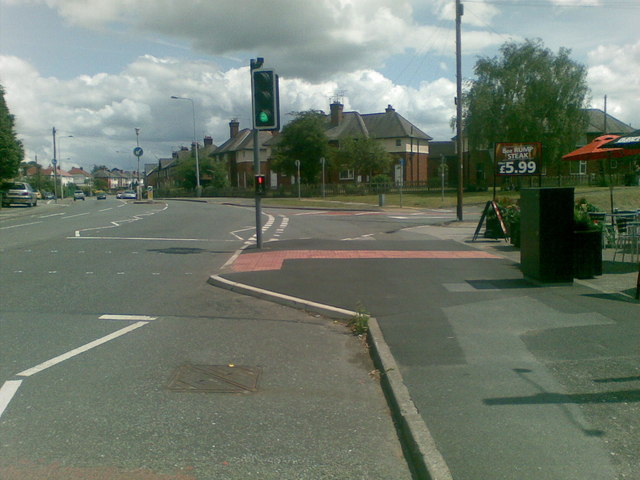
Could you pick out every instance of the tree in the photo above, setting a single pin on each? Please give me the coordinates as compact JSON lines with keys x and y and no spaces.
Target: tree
{"x":527,"y":94}
{"x":11,"y":150}
{"x":302,"y":139}
{"x":363,"y":155}
{"x":212,"y":173}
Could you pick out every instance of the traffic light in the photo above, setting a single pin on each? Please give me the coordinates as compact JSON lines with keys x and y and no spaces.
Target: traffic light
{"x":261,"y":185}
{"x":264,"y":86}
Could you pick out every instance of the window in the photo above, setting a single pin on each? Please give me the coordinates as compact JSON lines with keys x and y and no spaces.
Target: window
{"x":347,"y":174}
{"x":582,"y":167}
{"x":398,"y":142}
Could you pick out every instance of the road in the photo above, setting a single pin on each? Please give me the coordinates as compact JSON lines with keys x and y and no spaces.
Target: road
{"x":103,"y":304}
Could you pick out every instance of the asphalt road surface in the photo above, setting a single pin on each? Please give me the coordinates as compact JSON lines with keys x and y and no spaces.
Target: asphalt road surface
{"x":106,"y":316}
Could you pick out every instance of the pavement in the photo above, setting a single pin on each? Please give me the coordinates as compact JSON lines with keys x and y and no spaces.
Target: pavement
{"x":510,"y":399}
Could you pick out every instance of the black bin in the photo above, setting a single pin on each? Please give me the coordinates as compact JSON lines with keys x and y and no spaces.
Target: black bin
{"x":546,"y":227}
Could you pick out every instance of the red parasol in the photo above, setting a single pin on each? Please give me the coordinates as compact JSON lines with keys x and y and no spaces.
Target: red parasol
{"x":596,"y":150}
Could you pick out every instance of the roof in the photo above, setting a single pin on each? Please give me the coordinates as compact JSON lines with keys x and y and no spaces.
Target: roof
{"x":79,"y":171}
{"x":595,"y":123}
{"x":391,"y":124}
{"x":242,"y":141}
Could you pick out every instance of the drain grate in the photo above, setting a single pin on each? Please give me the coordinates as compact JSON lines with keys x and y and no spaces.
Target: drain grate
{"x":215,"y":378}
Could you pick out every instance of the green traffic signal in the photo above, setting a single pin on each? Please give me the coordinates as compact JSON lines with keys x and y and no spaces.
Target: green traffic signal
{"x":264,"y":84}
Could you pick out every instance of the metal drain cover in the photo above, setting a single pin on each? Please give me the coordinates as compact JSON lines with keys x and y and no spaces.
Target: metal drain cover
{"x":215,"y":378}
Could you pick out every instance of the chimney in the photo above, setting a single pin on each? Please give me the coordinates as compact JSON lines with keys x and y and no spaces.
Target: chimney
{"x":336,"y":114}
{"x":208,"y":141}
{"x":390,"y":109}
{"x":234,"y":126}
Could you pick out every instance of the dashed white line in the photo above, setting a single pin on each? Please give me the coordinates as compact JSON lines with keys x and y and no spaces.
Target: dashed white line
{"x":79,"y":350}
{"x":7,"y":391}
{"x":21,"y":225}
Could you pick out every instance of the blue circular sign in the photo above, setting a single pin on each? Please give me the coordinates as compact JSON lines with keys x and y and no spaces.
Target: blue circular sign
{"x":137,"y":151}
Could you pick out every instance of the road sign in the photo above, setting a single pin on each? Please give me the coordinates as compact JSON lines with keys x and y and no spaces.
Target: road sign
{"x":138,"y":151}
{"x":518,"y":158}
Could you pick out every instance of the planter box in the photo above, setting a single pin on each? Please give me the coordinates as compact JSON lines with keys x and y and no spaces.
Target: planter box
{"x":587,"y":253}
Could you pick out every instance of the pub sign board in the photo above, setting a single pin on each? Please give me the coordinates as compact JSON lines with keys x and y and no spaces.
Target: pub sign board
{"x":512,"y":159}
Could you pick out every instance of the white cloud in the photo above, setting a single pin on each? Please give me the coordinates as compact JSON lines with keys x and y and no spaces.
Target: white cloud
{"x":311,"y":40}
{"x":102,"y":111}
{"x":614,"y":70}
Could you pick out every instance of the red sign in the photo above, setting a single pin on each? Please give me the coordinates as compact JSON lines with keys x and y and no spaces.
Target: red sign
{"x":518,"y":158}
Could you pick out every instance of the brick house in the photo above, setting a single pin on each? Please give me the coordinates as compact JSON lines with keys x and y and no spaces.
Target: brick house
{"x":404,"y":141}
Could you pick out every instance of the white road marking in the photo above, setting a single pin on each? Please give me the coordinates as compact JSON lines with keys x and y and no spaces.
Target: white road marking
{"x":140,"y":318}
{"x":7,"y":391}
{"x":52,"y":215}
{"x":21,"y":225}
{"x":160,"y":239}
{"x":79,"y":350}
{"x":76,"y":215}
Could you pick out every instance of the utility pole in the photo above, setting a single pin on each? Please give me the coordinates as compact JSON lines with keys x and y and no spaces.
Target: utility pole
{"x":55,"y":167}
{"x":459,"y":142}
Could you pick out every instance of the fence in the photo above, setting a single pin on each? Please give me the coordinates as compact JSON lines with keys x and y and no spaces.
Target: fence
{"x":434,"y":186}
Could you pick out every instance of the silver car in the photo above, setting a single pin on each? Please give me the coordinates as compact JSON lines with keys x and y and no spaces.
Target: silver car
{"x":18,"y":193}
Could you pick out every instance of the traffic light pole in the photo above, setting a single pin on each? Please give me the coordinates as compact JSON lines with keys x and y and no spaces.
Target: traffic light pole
{"x":255,"y":64}
{"x":256,"y":169}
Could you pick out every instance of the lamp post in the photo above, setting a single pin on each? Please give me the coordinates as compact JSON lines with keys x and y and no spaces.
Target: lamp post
{"x":298,"y":167}
{"x":322,"y":161}
{"x":60,"y":163}
{"x":195,"y":142}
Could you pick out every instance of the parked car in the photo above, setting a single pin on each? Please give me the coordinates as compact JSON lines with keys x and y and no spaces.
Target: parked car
{"x":49,"y":196}
{"x":38,"y":195}
{"x":129,"y":195}
{"x":18,"y":192}
{"x":78,"y":195}
{"x":119,"y":194}
{"x":100,"y":195}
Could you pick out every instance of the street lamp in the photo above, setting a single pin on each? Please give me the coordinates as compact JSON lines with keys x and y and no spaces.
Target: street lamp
{"x":60,"y":163}
{"x":322,"y":161}
{"x":195,"y":142}
{"x":298,"y":167}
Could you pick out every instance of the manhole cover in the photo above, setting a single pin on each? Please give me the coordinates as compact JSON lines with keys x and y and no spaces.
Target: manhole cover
{"x":215,"y":378}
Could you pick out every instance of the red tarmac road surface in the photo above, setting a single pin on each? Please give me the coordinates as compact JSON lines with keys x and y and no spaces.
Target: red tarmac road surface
{"x":252,"y":262}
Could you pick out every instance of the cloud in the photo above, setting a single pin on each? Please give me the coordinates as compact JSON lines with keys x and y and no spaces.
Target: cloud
{"x":313,"y":40}
{"x":102,"y":111}
{"x":614,"y":70}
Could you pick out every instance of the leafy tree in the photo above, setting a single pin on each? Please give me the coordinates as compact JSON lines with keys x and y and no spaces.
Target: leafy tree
{"x":528,"y":93}
{"x":363,"y":155}
{"x":218,"y":173}
{"x":212,"y":173}
{"x":11,"y":149}
{"x":302,"y":139}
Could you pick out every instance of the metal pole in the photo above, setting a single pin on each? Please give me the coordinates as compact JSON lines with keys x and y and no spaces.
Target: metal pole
{"x":256,"y":169}
{"x":323,"y":191}
{"x":298,"y":166}
{"x":55,"y":167}
{"x":459,"y":12}
{"x":254,"y":65}
{"x":138,"y":191}
{"x":195,"y":142}
{"x":195,"y":146}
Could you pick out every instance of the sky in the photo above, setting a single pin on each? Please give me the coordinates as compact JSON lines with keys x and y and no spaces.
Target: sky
{"x":98,"y":70}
